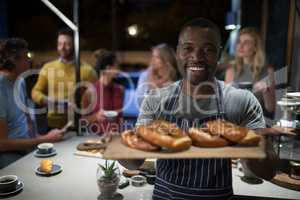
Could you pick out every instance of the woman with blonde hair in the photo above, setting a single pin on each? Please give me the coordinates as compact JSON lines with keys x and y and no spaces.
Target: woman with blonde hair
{"x":251,"y":71}
{"x":162,"y":70}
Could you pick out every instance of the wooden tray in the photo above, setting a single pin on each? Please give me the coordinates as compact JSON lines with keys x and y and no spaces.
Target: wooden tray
{"x":88,"y":154}
{"x":284,"y":180}
{"x":116,"y":150}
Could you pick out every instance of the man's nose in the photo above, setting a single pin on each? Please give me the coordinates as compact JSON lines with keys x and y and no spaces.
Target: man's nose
{"x":199,"y":55}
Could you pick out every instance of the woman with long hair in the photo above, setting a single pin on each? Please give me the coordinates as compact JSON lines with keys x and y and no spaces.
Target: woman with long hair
{"x":250,"y":67}
{"x":162,"y":70}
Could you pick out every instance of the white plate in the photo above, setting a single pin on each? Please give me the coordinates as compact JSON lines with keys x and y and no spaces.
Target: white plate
{"x":56,"y":169}
{"x":44,"y":155}
{"x":19,"y":187}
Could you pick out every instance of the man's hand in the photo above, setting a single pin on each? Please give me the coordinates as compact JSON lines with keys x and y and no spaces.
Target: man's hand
{"x":264,"y":168}
{"x":54,"y":135}
{"x":269,"y":131}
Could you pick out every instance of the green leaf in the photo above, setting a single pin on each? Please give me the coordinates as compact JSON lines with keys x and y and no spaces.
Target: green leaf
{"x":112,"y":166}
{"x":102,"y":167}
{"x":108,"y":169}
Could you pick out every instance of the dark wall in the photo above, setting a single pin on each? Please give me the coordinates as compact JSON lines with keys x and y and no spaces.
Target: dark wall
{"x":277,"y":32}
{"x":251,"y":13}
{"x":3,"y":19}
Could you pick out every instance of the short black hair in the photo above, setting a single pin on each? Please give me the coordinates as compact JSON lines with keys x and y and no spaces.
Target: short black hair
{"x":10,"y":50}
{"x":202,"y":23}
{"x":65,"y":31}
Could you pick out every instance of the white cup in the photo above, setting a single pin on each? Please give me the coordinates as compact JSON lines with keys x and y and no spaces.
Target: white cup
{"x":45,"y":148}
{"x":110,"y":114}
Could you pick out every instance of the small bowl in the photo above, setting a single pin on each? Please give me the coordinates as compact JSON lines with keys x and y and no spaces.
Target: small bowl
{"x":138,"y":180}
{"x":45,"y":148}
{"x":8,"y":183}
{"x":110,"y":114}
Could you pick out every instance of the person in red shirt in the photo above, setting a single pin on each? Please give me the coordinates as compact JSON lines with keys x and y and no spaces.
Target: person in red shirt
{"x":104,"y":96}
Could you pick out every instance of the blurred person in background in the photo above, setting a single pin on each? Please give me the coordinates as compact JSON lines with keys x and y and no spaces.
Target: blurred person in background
{"x":108,"y":96}
{"x":15,"y":140}
{"x":251,"y":71}
{"x":56,"y":83}
{"x":161,"y":72}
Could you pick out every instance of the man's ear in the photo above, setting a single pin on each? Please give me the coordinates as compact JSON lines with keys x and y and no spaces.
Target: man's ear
{"x":177,"y":51}
{"x":220,"y":52}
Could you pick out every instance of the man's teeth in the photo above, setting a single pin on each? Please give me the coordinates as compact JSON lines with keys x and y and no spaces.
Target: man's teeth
{"x":196,"y":68}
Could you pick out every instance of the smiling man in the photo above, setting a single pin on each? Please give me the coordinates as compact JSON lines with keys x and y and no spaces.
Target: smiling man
{"x":197,"y":53}
{"x":192,"y":101}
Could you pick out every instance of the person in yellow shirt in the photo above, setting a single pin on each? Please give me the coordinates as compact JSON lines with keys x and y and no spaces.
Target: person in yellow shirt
{"x":56,"y":83}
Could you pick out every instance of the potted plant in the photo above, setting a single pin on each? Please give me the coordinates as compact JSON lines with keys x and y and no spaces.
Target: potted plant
{"x":108,"y":178}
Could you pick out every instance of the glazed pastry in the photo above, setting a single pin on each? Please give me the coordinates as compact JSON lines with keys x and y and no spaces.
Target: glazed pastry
{"x":46,"y":166}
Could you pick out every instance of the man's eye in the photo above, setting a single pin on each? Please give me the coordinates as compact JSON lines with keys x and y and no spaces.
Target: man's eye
{"x":210,"y":50}
{"x":187,"y":48}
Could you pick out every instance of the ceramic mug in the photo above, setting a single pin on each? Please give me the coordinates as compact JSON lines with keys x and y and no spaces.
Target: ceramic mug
{"x":45,"y":148}
{"x":8,"y":183}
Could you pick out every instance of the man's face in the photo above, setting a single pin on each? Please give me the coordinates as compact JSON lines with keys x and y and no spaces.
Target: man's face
{"x":65,"y":46}
{"x":197,"y":54}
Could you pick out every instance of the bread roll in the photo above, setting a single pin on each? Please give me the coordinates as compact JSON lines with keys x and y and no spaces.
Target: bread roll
{"x":131,"y":139}
{"x":251,"y":139}
{"x":165,"y":134}
{"x":203,"y":138}
{"x":228,"y":130}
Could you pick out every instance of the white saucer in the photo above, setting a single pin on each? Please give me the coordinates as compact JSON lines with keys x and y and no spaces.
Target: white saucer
{"x":56,"y":169}
{"x":44,"y":155}
{"x":19,"y":187}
